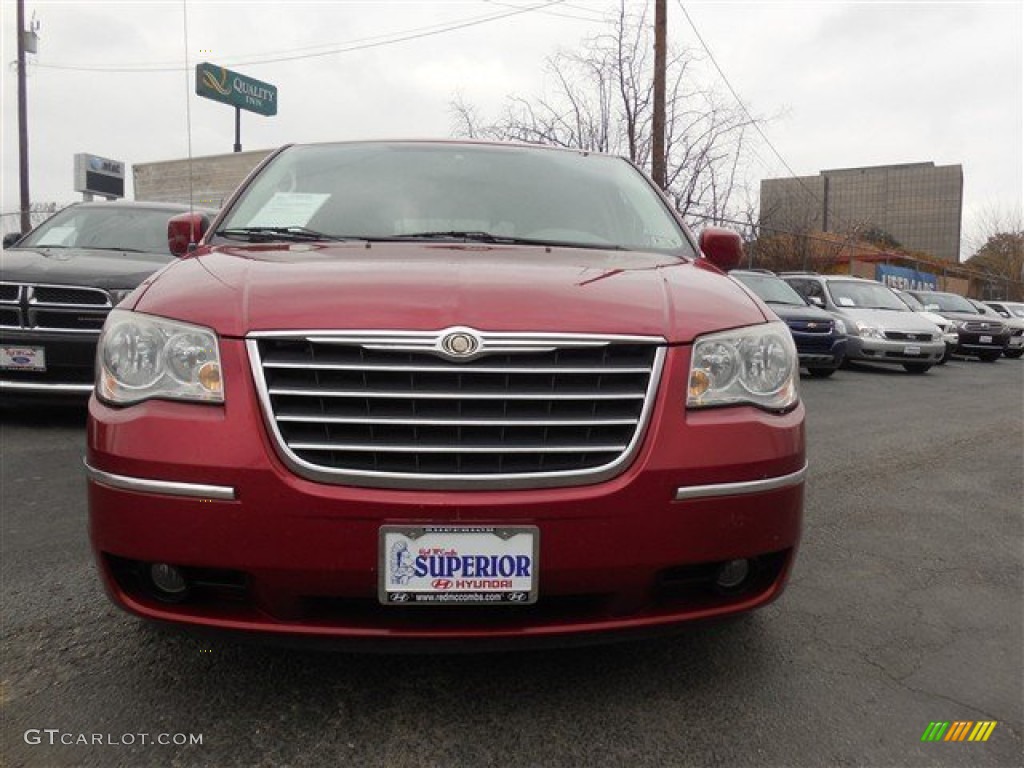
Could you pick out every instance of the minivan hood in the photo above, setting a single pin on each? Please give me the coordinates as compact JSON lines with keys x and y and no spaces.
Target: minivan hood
{"x":79,"y":266}
{"x":417,"y":286}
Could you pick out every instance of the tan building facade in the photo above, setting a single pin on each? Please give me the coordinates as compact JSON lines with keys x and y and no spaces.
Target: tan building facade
{"x":207,"y":181}
{"x":919,"y":205}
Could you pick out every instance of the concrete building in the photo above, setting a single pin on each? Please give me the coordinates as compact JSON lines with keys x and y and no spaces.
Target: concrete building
{"x":209,"y":180}
{"x":919,"y":205}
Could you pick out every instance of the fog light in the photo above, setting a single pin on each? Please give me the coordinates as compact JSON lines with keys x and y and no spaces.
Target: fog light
{"x":168,"y":579}
{"x":732,"y":573}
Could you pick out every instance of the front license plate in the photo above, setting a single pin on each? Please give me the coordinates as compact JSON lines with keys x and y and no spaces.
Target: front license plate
{"x":23,"y":358}
{"x":458,"y":565}
{"x":984,"y":339}
{"x":912,"y":349}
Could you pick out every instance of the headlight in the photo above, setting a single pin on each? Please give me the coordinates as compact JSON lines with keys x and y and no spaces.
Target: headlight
{"x":840,"y":326}
{"x":756,"y":365}
{"x":869,"y":331}
{"x":141,"y":357}
{"x":956,"y":325}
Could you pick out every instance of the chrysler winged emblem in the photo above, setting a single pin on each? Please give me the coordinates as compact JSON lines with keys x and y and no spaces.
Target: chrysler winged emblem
{"x":460,"y":344}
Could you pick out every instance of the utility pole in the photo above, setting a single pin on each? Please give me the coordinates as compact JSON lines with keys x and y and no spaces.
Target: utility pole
{"x":658,"y":122}
{"x":26,"y":219}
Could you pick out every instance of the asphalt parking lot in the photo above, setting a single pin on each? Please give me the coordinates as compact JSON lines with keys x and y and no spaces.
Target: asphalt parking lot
{"x":905,"y":608}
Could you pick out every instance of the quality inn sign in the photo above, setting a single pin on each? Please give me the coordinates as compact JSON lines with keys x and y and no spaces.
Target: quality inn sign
{"x":219,"y":84}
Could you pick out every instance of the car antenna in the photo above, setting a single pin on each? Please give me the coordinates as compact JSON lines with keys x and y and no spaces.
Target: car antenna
{"x":188,"y":123}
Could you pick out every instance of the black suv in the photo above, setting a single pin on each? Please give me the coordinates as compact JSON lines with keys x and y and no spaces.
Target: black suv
{"x":59,"y":282}
{"x":820,"y":338}
{"x":981,"y":336}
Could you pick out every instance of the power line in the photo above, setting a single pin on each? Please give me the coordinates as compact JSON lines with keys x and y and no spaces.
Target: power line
{"x":360,"y":44}
{"x":601,"y":16}
{"x":756,"y":123}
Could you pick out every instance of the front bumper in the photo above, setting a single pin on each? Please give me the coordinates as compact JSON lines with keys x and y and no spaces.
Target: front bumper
{"x":899,"y":352}
{"x":70,"y":361}
{"x":980,"y":343}
{"x":819,"y":350}
{"x":202,"y":488}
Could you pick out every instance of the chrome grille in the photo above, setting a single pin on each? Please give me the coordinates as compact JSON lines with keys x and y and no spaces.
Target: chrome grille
{"x":977,"y":326}
{"x":904,"y":336}
{"x":805,"y":326}
{"x":393,"y":409}
{"x":63,"y":308}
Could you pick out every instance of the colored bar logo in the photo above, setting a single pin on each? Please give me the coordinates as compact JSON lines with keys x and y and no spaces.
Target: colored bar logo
{"x":959,"y":730}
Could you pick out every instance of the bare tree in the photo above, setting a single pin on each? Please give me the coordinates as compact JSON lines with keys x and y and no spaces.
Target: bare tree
{"x":997,"y":240}
{"x":600,"y":98}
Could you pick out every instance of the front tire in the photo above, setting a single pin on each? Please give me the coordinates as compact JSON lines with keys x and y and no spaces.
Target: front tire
{"x":917,"y":367}
{"x":1014,"y":354}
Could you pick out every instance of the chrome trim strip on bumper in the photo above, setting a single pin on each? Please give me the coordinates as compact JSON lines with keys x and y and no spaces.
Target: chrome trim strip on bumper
{"x":166,"y":487}
{"x":26,"y":386}
{"x":738,"y":489}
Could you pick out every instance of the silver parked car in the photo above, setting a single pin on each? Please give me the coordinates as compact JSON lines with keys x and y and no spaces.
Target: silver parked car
{"x":881,"y":328}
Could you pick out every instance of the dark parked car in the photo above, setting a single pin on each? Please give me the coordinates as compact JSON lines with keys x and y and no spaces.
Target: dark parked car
{"x":1012,"y":314}
{"x":880,"y":327}
{"x":820,"y":338}
{"x":446,"y":392}
{"x":978,"y":335}
{"x":59,"y":282}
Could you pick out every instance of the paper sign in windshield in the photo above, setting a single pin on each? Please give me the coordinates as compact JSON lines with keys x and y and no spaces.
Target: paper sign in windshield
{"x":289,"y":209}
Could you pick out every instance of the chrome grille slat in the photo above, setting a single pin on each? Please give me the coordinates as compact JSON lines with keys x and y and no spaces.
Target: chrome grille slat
{"x":393,"y":409}
{"x":385,"y":448}
{"x":404,"y":394}
{"x":448,"y":368}
{"x":461,"y":422}
{"x":59,"y":308}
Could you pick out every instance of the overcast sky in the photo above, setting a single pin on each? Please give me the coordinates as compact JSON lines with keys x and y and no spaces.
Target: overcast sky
{"x":845,"y":84}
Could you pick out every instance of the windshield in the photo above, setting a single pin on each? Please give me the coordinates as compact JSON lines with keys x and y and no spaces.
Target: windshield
{"x":116,"y":227}
{"x":1017,"y":310}
{"x":770,"y":289}
{"x":946,"y":302}
{"x":455,"y":191}
{"x":911,"y":301}
{"x":862,"y":294}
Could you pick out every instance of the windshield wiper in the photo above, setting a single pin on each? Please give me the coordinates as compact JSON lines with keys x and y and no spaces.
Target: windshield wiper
{"x":114,"y":248}
{"x":270,"y":234}
{"x":487,"y":237}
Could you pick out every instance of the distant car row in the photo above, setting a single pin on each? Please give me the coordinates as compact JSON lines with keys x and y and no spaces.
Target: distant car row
{"x":835,"y":318}
{"x":59,"y":282}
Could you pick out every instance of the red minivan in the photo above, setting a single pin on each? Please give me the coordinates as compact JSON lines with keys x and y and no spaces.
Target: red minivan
{"x":445,"y":393}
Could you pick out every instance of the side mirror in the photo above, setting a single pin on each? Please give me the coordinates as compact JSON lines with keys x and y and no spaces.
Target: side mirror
{"x":184,"y":230}
{"x":11,"y":238}
{"x":816,"y":301}
{"x":722,"y":248}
